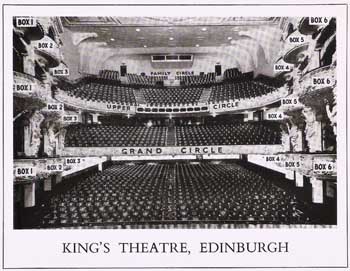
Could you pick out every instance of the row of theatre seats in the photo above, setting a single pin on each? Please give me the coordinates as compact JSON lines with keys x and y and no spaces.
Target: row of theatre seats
{"x":140,"y":80}
{"x":197,"y":80}
{"x":233,"y":74}
{"x":237,"y":134}
{"x":108,"y":91}
{"x":109,"y":75}
{"x":98,"y":92}
{"x":129,"y":136}
{"x":197,"y":193}
{"x":185,"y":80}
{"x":239,"y":90}
{"x":172,"y":96}
{"x":115,"y":136}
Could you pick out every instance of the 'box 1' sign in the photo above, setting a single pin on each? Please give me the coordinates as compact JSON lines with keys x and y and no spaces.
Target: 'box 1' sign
{"x":25,"y":171}
{"x":23,"y":88}
{"x":25,"y":22}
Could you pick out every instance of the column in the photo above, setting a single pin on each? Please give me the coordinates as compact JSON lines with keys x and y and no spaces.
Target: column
{"x":80,"y":116}
{"x":26,"y":140}
{"x":331,"y":189}
{"x":60,"y":141}
{"x":100,"y":166}
{"x":58,"y":178}
{"x":313,"y":130}
{"x":95,"y":118}
{"x":48,"y":184}
{"x":29,"y":60}
{"x":317,"y":190}
{"x":299,"y":141}
{"x":249,"y":117}
{"x":29,"y":195}
{"x":295,"y":138}
{"x":299,"y":179}
{"x":289,"y":175}
{"x":47,"y":147}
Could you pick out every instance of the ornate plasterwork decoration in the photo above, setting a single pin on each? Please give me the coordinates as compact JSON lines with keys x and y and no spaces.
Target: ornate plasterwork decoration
{"x":313,"y":130}
{"x":34,"y":133}
{"x":332,"y":113}
{"x":78,"y":37}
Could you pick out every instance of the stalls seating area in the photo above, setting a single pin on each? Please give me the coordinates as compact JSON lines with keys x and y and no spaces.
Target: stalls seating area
{"x":171,"y":193}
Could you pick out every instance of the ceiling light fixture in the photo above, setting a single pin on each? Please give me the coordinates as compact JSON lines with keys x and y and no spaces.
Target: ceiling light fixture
{"x":112,"y":39}
{"x":229,"y":38}
{"x":145,"y":46}
{"x":204,"y":29}
{"x":138,"y":29}
{"x":197,"y":45}
{"x":171,"y":38}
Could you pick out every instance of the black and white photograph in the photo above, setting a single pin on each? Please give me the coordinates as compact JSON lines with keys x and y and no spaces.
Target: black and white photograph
{"x":175,"y":136}
{"x":166,"y":122}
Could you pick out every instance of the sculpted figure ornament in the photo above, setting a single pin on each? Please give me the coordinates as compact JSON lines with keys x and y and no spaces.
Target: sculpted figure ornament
{"x":294,"y":141}
{"x":334,"y":58}
{"x":296,"y":74}
{"x":312,"y":130}
{"x":51,"y":142}
{"x":47,"y":78}
{"x":35,"y":133}
{"x":314,"y":61}
{"x":285,"y":138}
{"x":61,"y":139}
{"x":29,"y":59}
{"x":332,"y":113}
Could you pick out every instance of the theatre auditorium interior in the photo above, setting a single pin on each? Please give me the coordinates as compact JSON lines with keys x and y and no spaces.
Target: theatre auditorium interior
{"x":174,"y":122}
